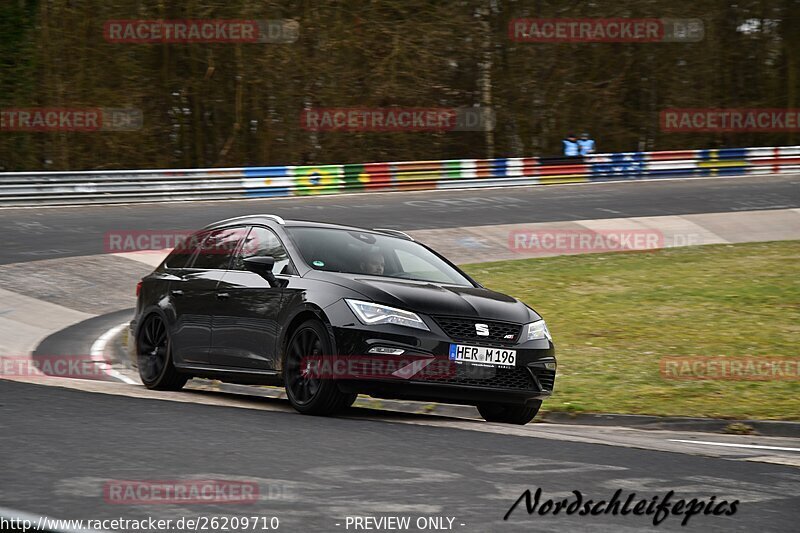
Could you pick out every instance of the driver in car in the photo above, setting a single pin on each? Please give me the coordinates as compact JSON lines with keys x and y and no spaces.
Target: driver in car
{"x":374,"y":262}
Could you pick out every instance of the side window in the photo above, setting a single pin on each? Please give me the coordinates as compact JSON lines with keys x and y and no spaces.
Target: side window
{"x":217,"y":248}
{"x":184,"y":250}
{"x":262,"y":242}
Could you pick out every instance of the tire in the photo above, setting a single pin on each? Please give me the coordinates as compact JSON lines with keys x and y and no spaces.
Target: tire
{"x":509,"y":413}
{"x":310,"y":395}
{"x":154,"y":356}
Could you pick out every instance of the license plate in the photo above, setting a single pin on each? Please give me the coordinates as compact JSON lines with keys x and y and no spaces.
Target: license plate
{"x":481,"y":355}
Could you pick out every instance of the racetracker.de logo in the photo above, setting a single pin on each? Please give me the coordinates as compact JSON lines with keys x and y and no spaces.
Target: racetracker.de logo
{"x":52,"y":366}
{"x":280,"y":31}
{"x":216,"y":242}
{"x":388,"y":366}
{"x":58,"y":119}
{"x":731,"y":368}
{"x":605,"y":30}
{"x":581,"y":241}
{"x":180,"y":491}
{"x":730,"y":120}
{"x":396,"y":119}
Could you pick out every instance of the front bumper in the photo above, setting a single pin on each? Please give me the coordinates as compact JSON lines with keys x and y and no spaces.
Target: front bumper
{"x":423,"y":391}
{"x":530,"y":380}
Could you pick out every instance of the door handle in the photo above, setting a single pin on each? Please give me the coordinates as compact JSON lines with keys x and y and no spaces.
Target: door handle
{"x":222,"y":295}
{"x":176,"y":292}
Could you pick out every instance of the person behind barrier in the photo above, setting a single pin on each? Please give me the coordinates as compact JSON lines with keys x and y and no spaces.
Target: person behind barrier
{"x":586,"y":144}
{"x":571,"y":147}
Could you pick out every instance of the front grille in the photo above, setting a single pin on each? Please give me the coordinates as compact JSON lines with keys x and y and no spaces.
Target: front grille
{"x":464,"y":329}
{"x":547,"y":378}
{"x":517,"y":378}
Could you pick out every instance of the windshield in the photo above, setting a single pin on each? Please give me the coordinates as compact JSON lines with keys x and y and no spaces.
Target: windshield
{"x":363,"y":252}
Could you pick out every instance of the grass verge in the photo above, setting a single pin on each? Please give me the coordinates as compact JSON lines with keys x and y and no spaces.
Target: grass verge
{"x":615,"y":316}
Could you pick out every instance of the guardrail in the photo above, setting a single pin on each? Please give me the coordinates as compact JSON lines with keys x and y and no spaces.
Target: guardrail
{"x":73,"y":188}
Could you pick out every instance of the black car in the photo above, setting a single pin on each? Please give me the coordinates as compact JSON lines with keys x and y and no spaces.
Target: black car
{"x":331,"y":311}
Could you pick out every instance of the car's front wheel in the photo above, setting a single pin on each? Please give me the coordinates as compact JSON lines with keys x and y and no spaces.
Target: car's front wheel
{"x":509,"y":413}
{"x":307,"y":393}
{"x":154,"y":357}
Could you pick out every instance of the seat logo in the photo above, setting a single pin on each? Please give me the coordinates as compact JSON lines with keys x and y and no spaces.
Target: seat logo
{"x":482,"y":330}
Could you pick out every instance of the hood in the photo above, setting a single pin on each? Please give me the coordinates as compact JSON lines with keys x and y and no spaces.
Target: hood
{"x":432,"y":298}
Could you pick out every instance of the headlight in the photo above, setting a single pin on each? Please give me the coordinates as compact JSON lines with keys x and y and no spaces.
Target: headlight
{"x":537,"y":330}
{"x":371,"y":314}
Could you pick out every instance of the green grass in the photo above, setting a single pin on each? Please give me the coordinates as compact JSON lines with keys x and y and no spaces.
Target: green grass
{"x":614,"y":316}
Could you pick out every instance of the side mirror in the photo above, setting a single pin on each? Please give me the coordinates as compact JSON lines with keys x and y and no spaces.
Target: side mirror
{"x":262,"y":265}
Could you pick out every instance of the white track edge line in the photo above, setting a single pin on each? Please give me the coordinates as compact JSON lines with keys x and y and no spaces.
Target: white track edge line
{"x":732,"y":445}
{"x":97,"y":351}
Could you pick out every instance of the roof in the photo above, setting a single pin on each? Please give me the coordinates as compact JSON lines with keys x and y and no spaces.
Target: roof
{"x":268,"y":218}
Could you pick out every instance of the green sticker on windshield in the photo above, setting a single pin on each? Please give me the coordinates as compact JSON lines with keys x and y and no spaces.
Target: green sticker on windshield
{"x":318,"y":263}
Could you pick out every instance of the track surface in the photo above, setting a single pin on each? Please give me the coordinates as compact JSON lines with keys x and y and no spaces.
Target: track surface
{"x":30,"y":234}
{"x":312,"y":472}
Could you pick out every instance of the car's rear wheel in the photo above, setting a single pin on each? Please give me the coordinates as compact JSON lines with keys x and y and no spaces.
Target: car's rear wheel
{"x":307,"y":393}
{"x":154,"y":357}
{"x":509,"y":413}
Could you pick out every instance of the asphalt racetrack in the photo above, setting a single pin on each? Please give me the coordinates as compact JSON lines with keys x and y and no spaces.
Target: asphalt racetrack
{"x":313,"y":473}
{"x":44,"y":233}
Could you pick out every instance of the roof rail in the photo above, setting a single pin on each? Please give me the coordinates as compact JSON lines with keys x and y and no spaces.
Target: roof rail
{"x":395,"y":232}
{"x":276,"y":218}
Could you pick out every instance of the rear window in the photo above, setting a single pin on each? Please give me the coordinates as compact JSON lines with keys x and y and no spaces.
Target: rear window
{"x":182,"y":253}
{"x":218,"y":247}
